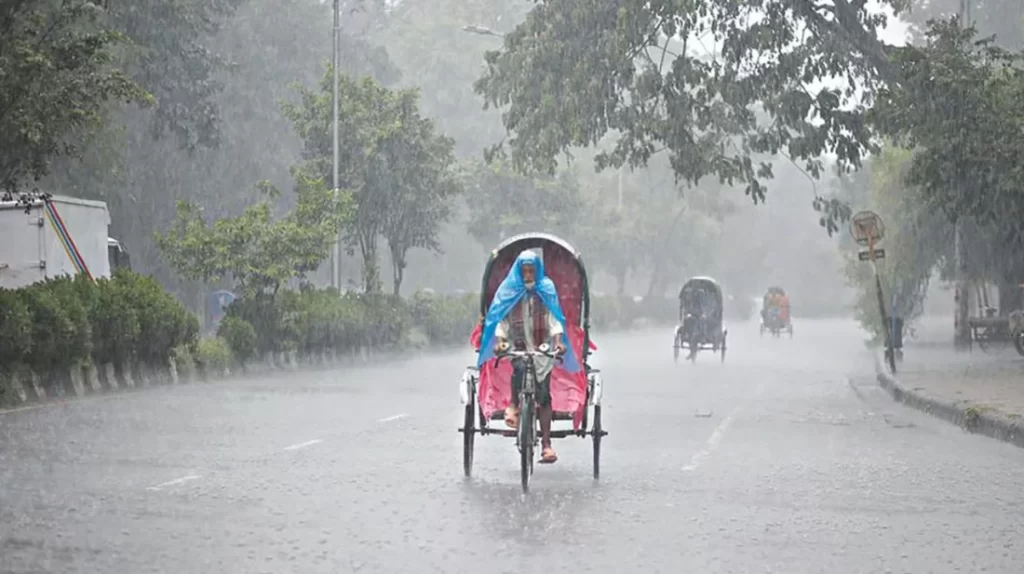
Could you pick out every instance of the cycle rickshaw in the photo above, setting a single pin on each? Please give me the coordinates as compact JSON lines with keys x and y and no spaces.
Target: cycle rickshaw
{"x":775,"y":315}
{"x":700,"y":319}
{"x":576,"y":397}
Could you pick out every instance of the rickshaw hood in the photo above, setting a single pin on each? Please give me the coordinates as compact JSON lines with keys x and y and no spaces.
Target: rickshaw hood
{"x":510,"y":292}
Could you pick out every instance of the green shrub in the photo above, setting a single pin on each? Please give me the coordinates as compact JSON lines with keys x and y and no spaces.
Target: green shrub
{"x":15,"y":328}
{"x":240,"y":337}
{"x":115,"y":323}
{"x":61,"y":335}
{"x":182,"y":358}
{"x":265,"y":316}
{"x":445,"y":320}
{"x":163,"y":322}
{"x":214,"y":353}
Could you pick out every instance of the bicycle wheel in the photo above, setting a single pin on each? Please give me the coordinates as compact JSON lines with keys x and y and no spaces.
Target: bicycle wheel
{"x":468,"y":437}
{"x":597,"y":431}
{"x":527,"y":427}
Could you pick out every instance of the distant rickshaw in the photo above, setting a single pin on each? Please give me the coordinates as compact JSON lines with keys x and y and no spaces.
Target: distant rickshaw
{"x":775,"y":313}
{"x":700,"y":319}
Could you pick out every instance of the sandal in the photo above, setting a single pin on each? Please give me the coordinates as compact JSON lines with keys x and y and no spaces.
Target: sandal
{"x":512,"y":417}
{"x":548,"y":456}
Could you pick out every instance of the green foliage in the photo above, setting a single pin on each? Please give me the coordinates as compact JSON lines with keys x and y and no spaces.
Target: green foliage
{"x":239,"y":335}
{"x":962,"y":104}
{"x":313,"y":321}
{"x":425,"y":40}
{"x":917,"y":240}
{"x":398,"y":169}
{"x":54,"y":324}
{"x":57,"y":78}
{"x":163,"y":322}
{"x":998,"y":18}
{"x":623,"y":312}
{"x":15,"y":327}
{"x":169,"y":59}
{"x":445,"y":319}
{"x":116,"y":326}
{"x":256,"y":251}
{"x":578,"y":70}
{"x":503,"y":203}
{"x":215,"y":354}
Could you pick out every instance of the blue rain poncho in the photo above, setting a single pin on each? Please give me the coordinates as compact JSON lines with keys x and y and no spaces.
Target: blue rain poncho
{"x":510,"y":292}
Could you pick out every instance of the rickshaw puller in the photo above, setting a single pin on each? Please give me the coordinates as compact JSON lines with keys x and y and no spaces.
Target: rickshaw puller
{"x":530,"y":324}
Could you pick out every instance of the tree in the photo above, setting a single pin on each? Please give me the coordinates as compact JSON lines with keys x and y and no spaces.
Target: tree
{"x":420,"y":165}
{"x":962,"y":103}
{"x":170,"y":58}
{"x":255,"y":53}
{"x":503,"y":203}
{"x":256,"y":252}
{"x":578,"y":70}
{"x":1003,"y":19}
{"x":56,"y":78}
{"x":917,"y":241}
{"x":391,"y":159}
{"x":425,"y":40}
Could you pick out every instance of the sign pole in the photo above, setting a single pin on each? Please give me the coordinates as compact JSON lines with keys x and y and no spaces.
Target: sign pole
{"x":865,"y":234}
{"x":890,"y":354}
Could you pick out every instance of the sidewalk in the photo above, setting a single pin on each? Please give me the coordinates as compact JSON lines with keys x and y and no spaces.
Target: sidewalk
{"x":982,"y":392}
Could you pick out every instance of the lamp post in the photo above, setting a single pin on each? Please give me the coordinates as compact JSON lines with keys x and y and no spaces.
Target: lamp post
{"x":336,"y":256}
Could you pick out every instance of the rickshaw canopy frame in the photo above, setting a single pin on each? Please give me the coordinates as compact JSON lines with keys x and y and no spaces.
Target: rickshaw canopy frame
{"x":708,"y":284}
{"x":515,"y":245}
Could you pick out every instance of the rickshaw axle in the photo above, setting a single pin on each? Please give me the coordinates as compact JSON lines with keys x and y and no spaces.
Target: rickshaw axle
{"x":511,"y":433}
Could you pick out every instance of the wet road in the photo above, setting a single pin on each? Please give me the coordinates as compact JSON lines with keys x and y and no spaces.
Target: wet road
{"x":802,"y":466}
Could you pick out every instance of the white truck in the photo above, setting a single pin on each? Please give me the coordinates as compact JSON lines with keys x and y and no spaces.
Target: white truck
{"x":68,"y":237}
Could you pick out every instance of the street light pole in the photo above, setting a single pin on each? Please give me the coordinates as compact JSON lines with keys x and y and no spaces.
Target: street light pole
{"x":620,"y":187}
{"x":336,"y":259}
{"x":961,"y":327}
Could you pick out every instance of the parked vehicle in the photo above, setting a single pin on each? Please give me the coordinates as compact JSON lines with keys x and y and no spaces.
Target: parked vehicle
{"x":56,"y":236}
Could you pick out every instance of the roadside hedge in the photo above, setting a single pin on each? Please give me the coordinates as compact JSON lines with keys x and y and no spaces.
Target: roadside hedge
{"x":73,"y":334}
{"x":316,"y":322}
{"x":59,"y":323}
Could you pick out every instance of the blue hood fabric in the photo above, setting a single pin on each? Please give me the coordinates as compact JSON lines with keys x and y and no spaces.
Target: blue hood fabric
{"x":510,"y":292}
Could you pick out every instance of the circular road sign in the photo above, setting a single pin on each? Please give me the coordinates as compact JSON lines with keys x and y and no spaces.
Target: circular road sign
{"x":867,"y":227}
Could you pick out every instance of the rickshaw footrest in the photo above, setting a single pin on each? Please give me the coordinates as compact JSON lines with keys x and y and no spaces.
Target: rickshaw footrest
{"x":511,"y":433}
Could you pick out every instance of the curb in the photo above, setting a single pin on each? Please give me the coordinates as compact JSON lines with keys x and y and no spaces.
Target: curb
{"x":970,"y":418}
{"x":37,"y":396}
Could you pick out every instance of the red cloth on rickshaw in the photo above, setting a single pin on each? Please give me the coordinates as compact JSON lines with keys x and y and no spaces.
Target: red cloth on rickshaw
{"x":568,"y":390}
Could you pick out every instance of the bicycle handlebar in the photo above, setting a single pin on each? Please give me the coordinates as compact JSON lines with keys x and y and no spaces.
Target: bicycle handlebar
{"x":544,"y":350}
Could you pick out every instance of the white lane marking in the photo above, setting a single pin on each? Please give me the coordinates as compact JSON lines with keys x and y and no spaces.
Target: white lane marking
{"x":173,"y":482}
{"x":392,"y":418}
{"x":303,"y":444}
{"x":712,"y":444}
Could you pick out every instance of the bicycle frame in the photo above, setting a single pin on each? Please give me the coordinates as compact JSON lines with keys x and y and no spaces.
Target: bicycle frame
{"x":527,"y":434}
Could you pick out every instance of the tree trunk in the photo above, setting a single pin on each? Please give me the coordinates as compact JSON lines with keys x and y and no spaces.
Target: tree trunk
{"x":371,"y":268}
{"x":620,"y":282}
{"x":398,"y":272}
{"x":1009,"y":297}
{"x":961,"y":328}
{"x":655,"y":280}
